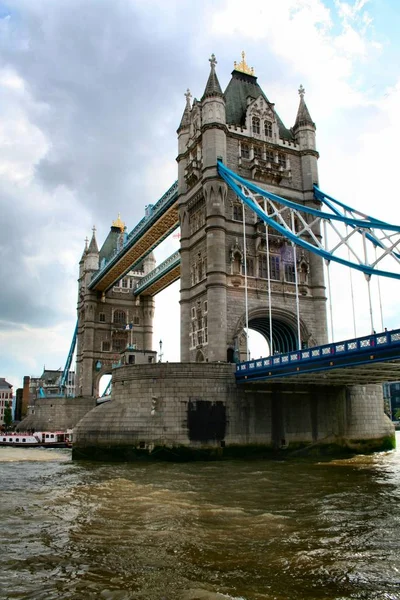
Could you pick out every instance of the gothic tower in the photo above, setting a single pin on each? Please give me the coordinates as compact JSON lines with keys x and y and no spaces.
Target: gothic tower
{"x":242,"y":128}
{"x":108,"y":323}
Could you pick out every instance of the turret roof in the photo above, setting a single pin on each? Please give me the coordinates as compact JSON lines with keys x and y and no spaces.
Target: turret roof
{"x":213,"y":87}
{"x":303,"y":114}
{"x":185,"y":121}
{"x":241,"y":87}
{"x":93,"y":247}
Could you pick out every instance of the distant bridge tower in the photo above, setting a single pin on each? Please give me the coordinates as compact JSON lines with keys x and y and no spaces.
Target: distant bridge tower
{"x":108,"y":323}
{"x":242,"y":128}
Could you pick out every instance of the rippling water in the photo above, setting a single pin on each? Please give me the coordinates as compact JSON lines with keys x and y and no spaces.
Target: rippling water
{"x":199,"y":531}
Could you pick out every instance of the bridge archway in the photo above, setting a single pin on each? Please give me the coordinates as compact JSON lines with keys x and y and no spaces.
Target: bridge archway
{"x":284,"y":331}
{"x":101,"y":380}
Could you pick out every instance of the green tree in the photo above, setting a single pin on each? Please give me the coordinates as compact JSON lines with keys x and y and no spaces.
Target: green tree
{"x":397,"y":414}
{"x":7,"y":416}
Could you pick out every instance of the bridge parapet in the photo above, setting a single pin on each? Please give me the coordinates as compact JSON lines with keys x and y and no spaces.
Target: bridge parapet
{"x":376,"y":347}
{"x":158,"y":273}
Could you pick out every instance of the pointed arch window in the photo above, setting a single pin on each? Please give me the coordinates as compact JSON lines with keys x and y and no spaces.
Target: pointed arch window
{"x":282,"y":160}
{"x":257,"y":152}
{"x":268,"y":128}
{"x":245,"y":151}
{"x":255,"y":123}
{"x":289,"y":273}
{"x":237,"y":212}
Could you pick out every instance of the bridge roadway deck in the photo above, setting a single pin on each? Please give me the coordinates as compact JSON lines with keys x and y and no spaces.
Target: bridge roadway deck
{"x":359,"y":361}
{"x":151,"y":231}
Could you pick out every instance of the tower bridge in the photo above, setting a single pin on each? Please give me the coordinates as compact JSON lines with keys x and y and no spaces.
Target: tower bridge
{"x":257,"y":239}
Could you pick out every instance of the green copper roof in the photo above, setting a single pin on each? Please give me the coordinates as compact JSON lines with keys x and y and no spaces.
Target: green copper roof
{"x":240,"y":87}
{"x":109,"y":247}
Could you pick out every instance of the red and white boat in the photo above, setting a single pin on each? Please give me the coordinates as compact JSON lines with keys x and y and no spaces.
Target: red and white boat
{"x":43,"y":439}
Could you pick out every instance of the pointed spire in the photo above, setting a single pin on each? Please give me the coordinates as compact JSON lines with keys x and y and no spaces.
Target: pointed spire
{"x":185,"y":121}
{"x":93,"y":243}
{"x":85,"y":250}
{"x":212,"y":88}
{"x":303,"y":115}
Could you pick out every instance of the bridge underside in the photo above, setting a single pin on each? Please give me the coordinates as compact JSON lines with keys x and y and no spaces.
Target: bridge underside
{"x":374,"y":371}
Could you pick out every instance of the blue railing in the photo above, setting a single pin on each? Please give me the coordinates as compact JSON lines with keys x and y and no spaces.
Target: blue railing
{"x":317,"y":354}
{"x":153,"y":213}
{"x":165,"y":267}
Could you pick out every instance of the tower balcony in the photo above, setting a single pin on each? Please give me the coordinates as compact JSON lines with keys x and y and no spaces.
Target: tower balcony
{"x":192,"y":172}
{"x":271,"y":172}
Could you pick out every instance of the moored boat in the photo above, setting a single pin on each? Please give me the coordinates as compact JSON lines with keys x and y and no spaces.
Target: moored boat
{"x":47,"y":439}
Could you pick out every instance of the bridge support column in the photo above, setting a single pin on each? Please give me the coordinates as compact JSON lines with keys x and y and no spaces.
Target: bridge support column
{"x":367,"y":426}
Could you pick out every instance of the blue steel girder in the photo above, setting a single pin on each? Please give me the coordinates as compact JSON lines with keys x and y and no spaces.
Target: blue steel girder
{"x":349,"y":233}
{"x":147,"y":235}
{"x":64,"y":378}
{"x":369,"y":359}
{"x":161,"y":277}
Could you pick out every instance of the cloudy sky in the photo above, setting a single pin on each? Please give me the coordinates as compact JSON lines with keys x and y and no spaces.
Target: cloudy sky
{"x":91,"y":94}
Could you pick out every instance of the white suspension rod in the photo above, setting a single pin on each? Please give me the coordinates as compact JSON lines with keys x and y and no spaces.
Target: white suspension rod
{"x":245,"y":283}
{"x":368,"y":278}
{"x":327,"y":263}
{"x":352,"y":291}
{"x":379,"y":294}
{"x":271,"y":350}
{"x":297,"y":287}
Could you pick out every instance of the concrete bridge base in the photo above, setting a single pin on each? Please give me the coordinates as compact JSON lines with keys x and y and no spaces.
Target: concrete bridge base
{"x":56,"y":414}
{"x":188,"y":411}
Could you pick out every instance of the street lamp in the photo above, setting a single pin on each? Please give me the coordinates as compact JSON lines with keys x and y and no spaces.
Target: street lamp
{"x":161,"y":354}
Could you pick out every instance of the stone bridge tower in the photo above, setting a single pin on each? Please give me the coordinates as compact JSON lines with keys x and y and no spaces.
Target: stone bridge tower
{"x":242,"y":128}
{"x":108,"y":323}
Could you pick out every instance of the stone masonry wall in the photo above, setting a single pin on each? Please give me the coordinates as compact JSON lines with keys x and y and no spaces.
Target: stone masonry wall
{"x":56,"y":414}
{"x":200,"y":408}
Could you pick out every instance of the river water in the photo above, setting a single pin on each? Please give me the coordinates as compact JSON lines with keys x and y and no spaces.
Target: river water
{"x":250,"y":530}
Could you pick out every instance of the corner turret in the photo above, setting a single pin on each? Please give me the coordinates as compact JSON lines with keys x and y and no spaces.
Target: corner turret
{"x":92,"y":254}
{"x":304,"y":131}
{"x":213,"y":120}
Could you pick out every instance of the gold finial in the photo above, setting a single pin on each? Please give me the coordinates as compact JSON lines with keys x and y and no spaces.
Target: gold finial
{"x":118,"y":223}
{"x":243,"y":66}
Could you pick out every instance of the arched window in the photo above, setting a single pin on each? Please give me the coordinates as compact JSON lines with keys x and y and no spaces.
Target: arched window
{"x":289,"y":272}
{"x":119,"y":317}
{"x":268,"y":128}
{"x":257,"y":152}
{"x":262,"y":266}
{"x":245,"y":151}
{"x":237,"y":212}
{"x":255,"y":122}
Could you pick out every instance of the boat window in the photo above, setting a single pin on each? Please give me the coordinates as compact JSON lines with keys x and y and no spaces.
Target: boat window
{"x":23,"y":439}
{"x":52,"y":435}
{"x":4,"y":439}
{"x":10,"y":439}
{"x":17,"y":439}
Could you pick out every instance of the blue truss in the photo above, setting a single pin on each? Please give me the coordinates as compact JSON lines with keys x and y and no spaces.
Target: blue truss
{"x":245,"y":190}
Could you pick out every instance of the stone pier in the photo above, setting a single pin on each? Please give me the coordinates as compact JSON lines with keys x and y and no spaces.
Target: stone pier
{"x":187,"y":411}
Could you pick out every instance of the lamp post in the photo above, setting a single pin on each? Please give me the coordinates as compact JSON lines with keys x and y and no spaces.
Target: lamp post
{"x":161,"y":354}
